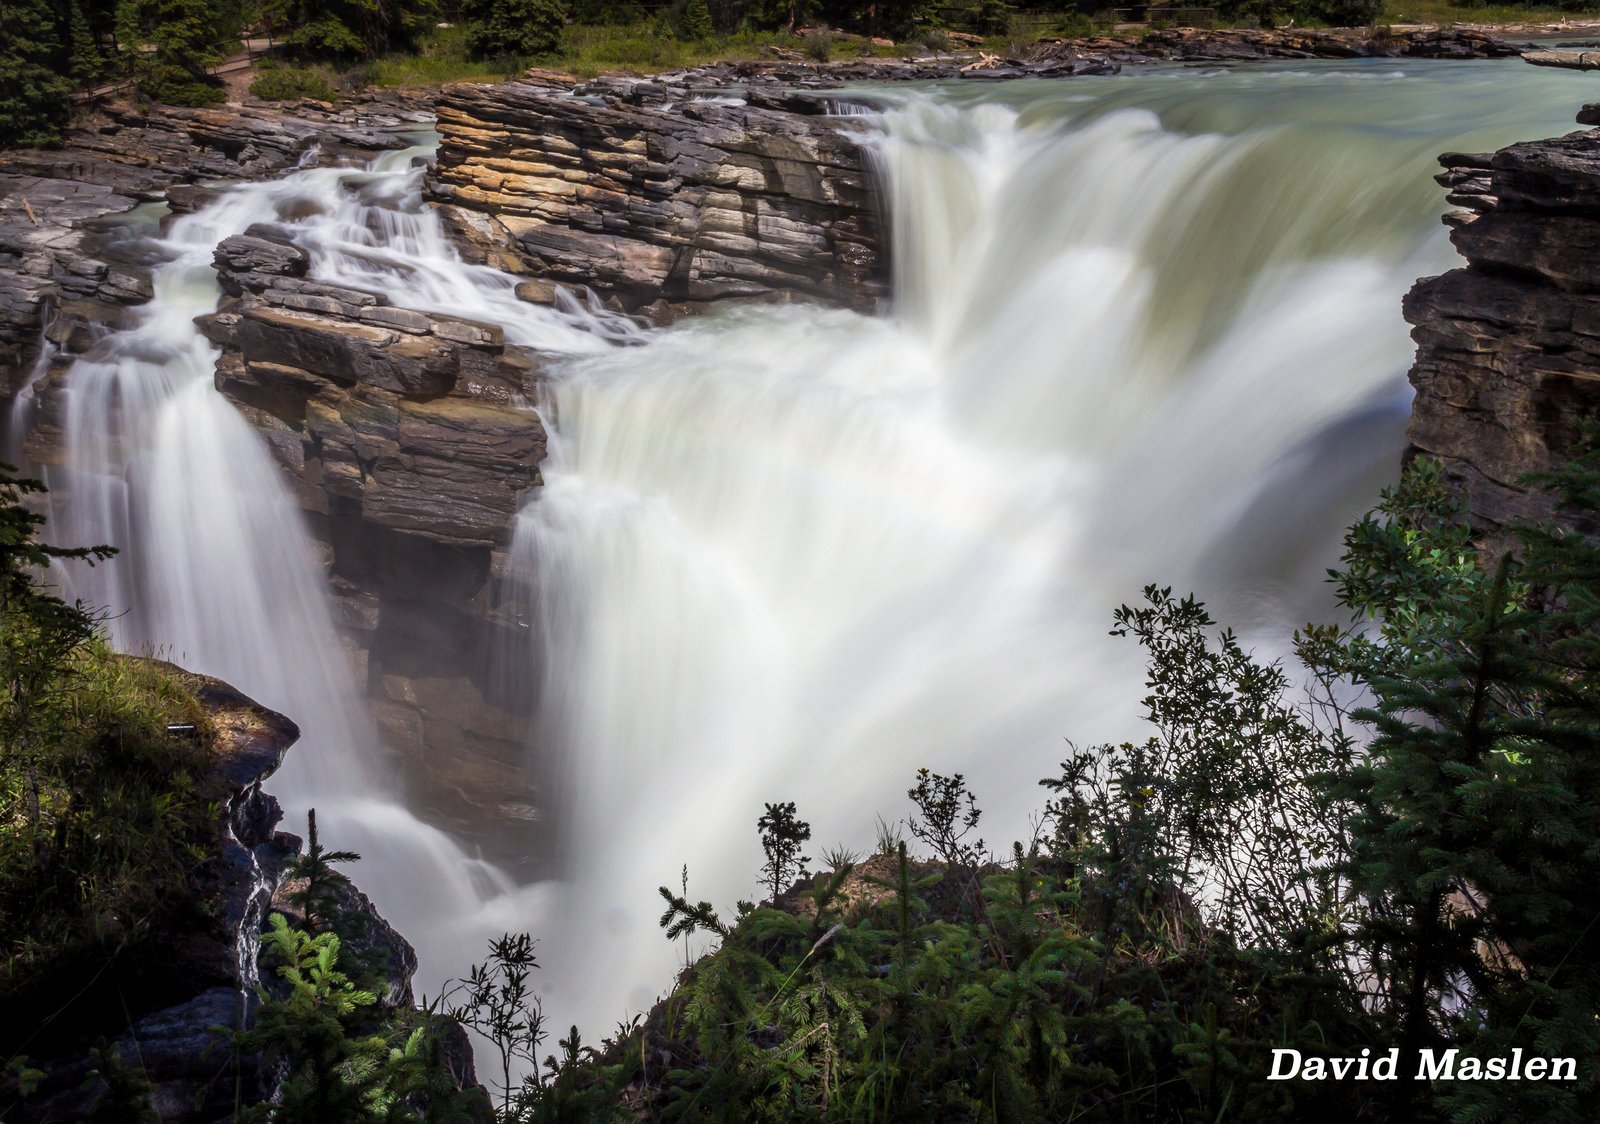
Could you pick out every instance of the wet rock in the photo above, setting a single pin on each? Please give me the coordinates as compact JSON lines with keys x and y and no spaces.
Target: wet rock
{"x":633,"y":192}
{"x":1567,"y":60}
{"x":1508,"y":346}
{"x":119,"y":156}
{"x":257,"y":252}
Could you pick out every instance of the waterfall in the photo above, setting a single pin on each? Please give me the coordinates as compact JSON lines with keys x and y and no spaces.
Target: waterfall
{"x":217,"y":571}
{"x":1143,"y":330}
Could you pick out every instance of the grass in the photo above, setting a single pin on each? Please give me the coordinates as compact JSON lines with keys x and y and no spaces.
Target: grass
{"x":644,"y":47}
{"x":1445,"y":14}
{"x":275,"y":81}
{"x":128,"y":820}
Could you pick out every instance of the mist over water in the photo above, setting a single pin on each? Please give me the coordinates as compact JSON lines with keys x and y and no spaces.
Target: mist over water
{"x":1144,"y":329}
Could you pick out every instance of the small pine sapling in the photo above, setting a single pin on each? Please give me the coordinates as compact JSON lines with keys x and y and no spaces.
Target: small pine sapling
{"x":782,"y":835}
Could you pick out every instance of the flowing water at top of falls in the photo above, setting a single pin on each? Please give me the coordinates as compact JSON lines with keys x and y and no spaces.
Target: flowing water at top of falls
{"x":1144,"y":329}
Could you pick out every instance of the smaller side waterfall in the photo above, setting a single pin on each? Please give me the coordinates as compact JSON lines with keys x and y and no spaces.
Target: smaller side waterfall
{"x":216,"y":569}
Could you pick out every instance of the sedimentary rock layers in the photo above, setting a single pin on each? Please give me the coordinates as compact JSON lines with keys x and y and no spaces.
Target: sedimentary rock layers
{"x":52,"y":255}
{"x":1508,"y":346}
{"x":627,"y":187}
{"x":399,"y":433}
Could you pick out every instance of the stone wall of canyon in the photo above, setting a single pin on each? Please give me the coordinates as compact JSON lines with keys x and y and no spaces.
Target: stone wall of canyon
{"x":1508,"y":345}
{"x":645,"y":194}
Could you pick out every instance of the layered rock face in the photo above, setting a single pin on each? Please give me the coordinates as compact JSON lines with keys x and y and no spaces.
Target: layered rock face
{"x":58,"y":253}
{"x":1508,"y":346}
{"x":638,"y":191}
{"x":402,"y":432}
{"x":399,"y":433}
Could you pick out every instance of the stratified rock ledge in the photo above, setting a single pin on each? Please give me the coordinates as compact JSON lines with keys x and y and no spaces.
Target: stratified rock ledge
{"x":641,"y":193}
{"x":1508,"y":346}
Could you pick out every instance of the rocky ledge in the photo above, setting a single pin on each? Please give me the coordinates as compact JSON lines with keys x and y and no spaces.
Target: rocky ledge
{"x":193,"y":1074}
{"x":645,"y":193}
{"x":1508,"y":346}
{"x":59,"y":208}
{"x":1245,"y":45}
{"x":405,"y":438}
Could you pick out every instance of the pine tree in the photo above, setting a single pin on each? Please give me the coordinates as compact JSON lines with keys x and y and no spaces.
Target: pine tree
{"x":348,"y":29}
{"x":695,"y":21}
{"x":128,"y":31}
{"x":315,"y":899}
{"x":86,"y":62}
{"x":518,"y":28}
{"x":187,"y":37}
{"x":782,"y":835}
{"x":33,"y":95}
{"x":1475,"y":840}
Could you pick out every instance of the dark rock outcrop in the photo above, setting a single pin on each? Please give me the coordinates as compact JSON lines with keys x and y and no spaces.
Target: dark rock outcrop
{"x":191,"y":1071}
{"x":641,"y":193}
{"x":179,"y":1048}
{"x":403,"y":435}
{"x":1508,"y":346}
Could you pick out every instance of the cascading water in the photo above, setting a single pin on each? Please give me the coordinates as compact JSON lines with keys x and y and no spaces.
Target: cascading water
{"x":1144,"y":329}
{"x":216,"y":570}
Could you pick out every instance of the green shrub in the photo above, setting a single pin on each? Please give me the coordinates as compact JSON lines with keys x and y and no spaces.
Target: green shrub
{"x":291,"y":83}
{"x":694,"y":19}
{"x":514,"y":28}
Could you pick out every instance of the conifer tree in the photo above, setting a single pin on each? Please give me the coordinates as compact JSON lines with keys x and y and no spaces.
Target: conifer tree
{"x":1475,"y":838}
{"x":520,"y":28}
{"x":86,"y":62}
{"x":348,"y":29}
{"x":33,"y":105}
{"x":128,"y":31}
{"x":188,"y":38}
{"x":315,"y":898}
{"x":695,"y":22}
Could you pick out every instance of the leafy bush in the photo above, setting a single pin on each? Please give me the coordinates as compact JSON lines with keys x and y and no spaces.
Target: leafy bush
{"x":291,"y":83}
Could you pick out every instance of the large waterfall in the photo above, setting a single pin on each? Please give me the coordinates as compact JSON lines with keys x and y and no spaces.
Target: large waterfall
{"x":1144,"y":330}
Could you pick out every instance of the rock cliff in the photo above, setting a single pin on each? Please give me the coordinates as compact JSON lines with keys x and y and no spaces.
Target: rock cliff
{"x":58,"y":207}
{"x":1508,"y":345}
{"x":401,"y":434}
{"x":173,"y":1042}
{"x":642,"y":192}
